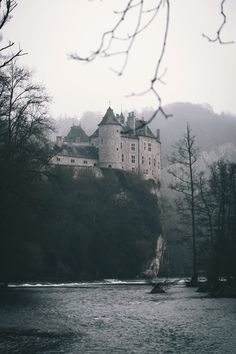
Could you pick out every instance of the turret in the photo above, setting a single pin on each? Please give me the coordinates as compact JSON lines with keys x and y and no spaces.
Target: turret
{"x":131,"y":121}
{"x":110,"y":141}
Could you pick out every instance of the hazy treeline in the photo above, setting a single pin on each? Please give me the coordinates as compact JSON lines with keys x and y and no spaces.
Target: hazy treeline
{"x":200,"y":223}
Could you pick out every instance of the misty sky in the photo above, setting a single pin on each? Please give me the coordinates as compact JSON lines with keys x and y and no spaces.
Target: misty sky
{"x":197,"y":71}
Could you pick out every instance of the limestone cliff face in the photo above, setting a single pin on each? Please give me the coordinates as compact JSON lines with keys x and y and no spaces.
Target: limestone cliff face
{"x":153,"y":270}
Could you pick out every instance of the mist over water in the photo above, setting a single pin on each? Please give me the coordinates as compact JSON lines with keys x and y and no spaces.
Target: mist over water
{"x":101,"y":318}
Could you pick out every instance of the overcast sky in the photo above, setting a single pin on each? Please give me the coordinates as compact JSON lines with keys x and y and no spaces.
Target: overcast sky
{"x":197,"y":71}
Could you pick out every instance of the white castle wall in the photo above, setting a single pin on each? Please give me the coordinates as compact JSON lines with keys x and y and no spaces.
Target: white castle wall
{"x":73,"y":161}
{"x":137,"y":157}
{"x":129,"y":157}
{"x":150,"y":163}
{"x":110,"y":146}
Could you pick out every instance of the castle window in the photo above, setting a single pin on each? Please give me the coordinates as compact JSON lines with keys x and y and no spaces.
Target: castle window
{"x":109,"y":166}
{"x":58,"y":159}
{"x":72,"y":161}
{"x":149,"y":161}
{"x":85,"y":162}
{"x":154,"y":162}
{"x":146,"y":172}
{"x":158,"y":164}
{"x":117,"y":149}
{"x":121,"y":145}
{"x":95,"y":164}
{"x":117,"y":131}
{"x":142,"y":160}
{"x":133,"y":158}
{"x":122,"y":157}
{"x":101,"y":140}
{"x":149,"y":147}
{"x":133,"y":147}
{"x":144,"y":145}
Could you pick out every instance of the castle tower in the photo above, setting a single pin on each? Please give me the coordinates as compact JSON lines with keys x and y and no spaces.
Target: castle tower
{"x":110,"y":141}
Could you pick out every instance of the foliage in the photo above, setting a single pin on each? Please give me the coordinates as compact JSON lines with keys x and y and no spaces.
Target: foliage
{"x":218,"y":215}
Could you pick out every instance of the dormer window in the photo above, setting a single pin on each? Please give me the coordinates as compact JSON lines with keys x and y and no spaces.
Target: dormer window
{"x":149,"y":147}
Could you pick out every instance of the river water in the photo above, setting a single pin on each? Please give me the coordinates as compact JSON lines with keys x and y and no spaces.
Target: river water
{"x":115,"y":318}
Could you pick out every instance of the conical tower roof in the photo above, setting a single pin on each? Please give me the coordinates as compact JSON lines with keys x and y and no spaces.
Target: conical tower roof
{"x":76,"y":133}
{"x":109,"y":118}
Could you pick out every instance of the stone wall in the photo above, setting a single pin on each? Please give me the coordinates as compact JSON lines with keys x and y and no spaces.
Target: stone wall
{"x":110,"y":146}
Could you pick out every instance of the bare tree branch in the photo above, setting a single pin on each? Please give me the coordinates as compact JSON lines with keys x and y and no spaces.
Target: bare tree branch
{"x":109,"y":37}
{"x":5,"y":13}
{"x":6,"y":8}
{"x":219,"y":32}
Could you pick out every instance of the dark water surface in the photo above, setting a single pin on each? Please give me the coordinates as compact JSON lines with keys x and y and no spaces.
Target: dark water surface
{"x":115,"y":319}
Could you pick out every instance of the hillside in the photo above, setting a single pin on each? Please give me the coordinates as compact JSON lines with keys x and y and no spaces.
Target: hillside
{"x":211,"y":129}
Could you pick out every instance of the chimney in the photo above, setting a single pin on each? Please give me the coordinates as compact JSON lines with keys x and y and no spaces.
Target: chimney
{"x":59,"y":140}
{"x":122,"y":118}
{"x":131,"y":120}
{"x":158,"y":134}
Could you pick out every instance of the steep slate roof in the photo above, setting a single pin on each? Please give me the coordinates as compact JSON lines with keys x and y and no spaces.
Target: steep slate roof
{"x":87,"y":152}
{"x":95,"y":134}
{"x":141,"y":129}
{"x":109,"y":118}
{"x":77,"y":133}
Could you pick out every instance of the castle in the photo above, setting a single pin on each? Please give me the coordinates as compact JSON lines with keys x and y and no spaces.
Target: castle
{"x":117,"y":143}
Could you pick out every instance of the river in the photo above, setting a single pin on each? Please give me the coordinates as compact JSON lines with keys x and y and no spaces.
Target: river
{"x":114,"y":318}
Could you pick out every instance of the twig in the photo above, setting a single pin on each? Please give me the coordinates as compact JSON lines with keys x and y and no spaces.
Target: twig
{"x":219,"y":32}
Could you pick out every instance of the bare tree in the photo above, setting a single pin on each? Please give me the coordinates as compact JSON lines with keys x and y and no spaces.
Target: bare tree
{"x":6,"y":53}
{"x":24,"y":121}
{"x":222,"y":184}
{"x":146,"y":14}
{"x":183,"y":170}
{"x":218,"y":37}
